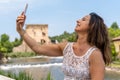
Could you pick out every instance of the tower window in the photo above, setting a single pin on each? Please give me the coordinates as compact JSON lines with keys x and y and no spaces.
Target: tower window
{"x":42,"y":41}
{"x":43,"y":33}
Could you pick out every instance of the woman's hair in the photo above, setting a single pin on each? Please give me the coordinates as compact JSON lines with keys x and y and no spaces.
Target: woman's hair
{"x":98,"y":36}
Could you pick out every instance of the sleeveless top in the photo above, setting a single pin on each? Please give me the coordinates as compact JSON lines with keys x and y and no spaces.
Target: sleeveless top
{"x":76,"y":67}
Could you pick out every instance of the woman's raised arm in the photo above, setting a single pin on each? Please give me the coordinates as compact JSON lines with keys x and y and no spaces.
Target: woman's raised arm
{"x":46,"y":49}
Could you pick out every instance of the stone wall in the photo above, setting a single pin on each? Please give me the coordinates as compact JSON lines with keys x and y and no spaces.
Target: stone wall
{"x":39,"y":32}
{"x":116,"y":42}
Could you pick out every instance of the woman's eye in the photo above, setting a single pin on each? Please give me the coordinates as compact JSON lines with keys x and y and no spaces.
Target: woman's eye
{"x":83,"y":19}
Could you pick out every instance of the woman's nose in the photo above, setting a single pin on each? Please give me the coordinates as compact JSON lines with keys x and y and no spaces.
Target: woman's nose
{"x":78,"y":21}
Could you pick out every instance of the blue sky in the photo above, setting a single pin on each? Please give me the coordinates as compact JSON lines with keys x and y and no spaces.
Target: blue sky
{"x":60,"y":15}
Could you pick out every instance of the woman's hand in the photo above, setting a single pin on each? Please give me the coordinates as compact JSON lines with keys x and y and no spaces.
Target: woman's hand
{"x":20,"y":23}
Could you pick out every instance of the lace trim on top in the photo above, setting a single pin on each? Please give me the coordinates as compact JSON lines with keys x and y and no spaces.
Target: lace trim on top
{"x":76,"y":67}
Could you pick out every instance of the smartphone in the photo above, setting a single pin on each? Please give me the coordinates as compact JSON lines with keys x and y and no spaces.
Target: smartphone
{"x":25,"y":10}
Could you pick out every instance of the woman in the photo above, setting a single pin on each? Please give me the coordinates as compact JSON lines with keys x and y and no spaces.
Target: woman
{"x":84,"y":59}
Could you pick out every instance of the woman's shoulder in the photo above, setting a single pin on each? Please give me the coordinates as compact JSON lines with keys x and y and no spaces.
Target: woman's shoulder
{"x":64,"y":44}
{"x":96,"y":55}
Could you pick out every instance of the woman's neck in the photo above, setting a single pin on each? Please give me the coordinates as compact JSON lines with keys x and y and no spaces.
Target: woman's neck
{"x":82,"y":39}
{"x":82,"y":45}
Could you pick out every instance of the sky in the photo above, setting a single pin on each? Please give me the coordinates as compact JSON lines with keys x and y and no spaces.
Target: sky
{"x":60,"y":15}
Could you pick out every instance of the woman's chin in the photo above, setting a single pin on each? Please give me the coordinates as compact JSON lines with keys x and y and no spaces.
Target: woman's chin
{"x":76,"y":30}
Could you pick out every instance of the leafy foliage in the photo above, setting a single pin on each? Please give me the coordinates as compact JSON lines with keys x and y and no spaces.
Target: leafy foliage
{"x":17,"y":42}
{"x":113,"y":32}
{"x":19,"y":76}
{"x":6,"y":45}
{"x":114,"y":25}
{"x":4,"y":38}
{"x":114,"y":53}
{"x":65,"y":37}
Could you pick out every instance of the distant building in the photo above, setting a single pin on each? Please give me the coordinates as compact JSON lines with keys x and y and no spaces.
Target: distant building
{"x":39,"y":32}
{"x":116,"y":42}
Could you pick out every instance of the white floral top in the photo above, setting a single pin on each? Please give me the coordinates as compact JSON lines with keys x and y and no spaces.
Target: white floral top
{"x":76,"y":67}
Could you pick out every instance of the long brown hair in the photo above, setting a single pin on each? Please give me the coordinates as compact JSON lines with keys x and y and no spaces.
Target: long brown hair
{"x":98,"y":36}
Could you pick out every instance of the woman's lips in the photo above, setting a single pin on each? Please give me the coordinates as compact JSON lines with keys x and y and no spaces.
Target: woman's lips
{"x":78,"y":25}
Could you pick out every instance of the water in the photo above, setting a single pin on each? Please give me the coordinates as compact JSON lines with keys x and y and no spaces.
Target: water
{"x":39,"y":67}
{"x":111,"y":75}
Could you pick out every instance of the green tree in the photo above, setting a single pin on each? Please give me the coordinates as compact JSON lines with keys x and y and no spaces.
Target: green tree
{"x":114,"y":25}
{"x":3,"y":49}
{"x":6,"y":45}
{"x":113,"y":32}
{"x":17,"y":42}
{"x":114,"y":53}
{"x":65,"y":36}
{"x":4,"y":38}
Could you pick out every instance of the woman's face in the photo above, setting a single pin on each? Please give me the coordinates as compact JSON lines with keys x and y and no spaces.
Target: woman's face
{"x":83,"y":24}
